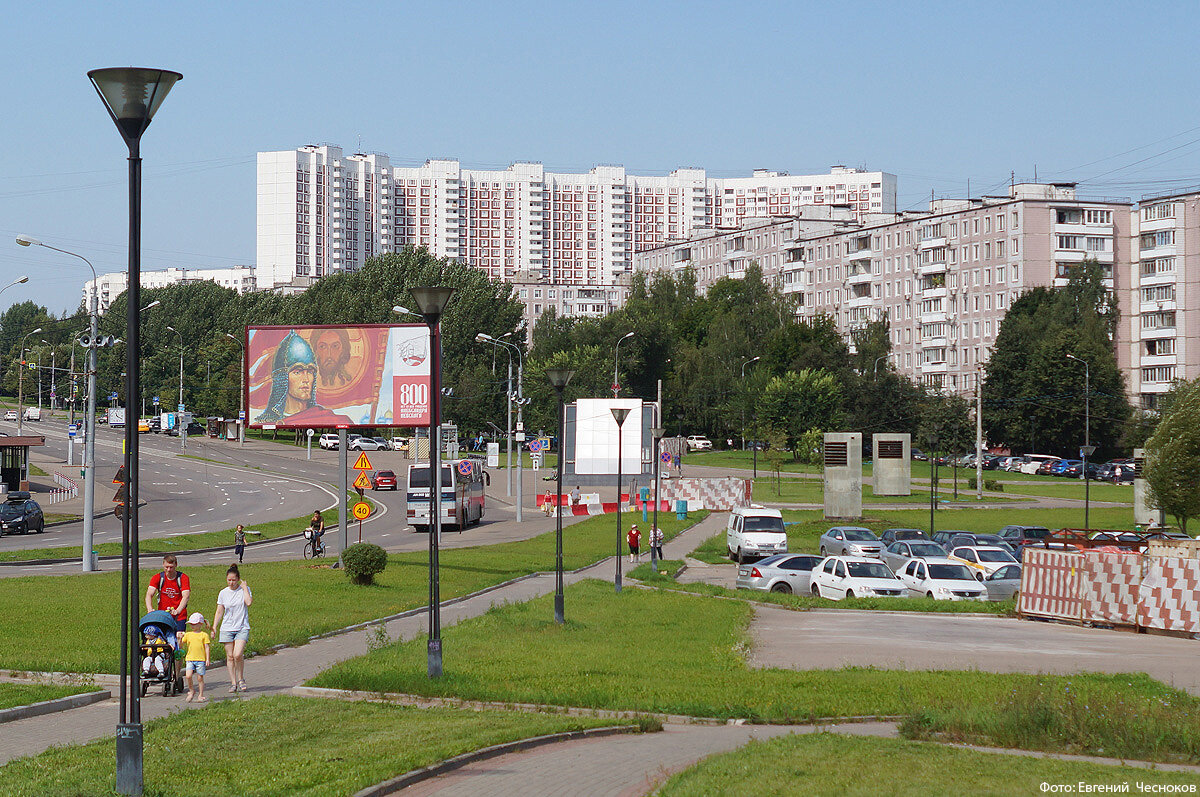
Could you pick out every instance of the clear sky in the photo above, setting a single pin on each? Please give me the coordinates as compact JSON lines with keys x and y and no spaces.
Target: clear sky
{"x":937,"y":93}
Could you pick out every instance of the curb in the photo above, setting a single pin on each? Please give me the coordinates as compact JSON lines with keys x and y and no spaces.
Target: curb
{"x":51,"y":706}
{"x":457,"y":762}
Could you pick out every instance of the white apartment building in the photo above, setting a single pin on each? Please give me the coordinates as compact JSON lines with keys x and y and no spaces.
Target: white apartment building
{"x":111,"y":285}
{"x":321,"y":211}
{"x":1162,"y":329}
{"x":944,"y":277}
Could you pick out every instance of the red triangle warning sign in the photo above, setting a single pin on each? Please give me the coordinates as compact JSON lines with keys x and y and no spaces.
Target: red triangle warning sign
{"x":362,"y":463}
{"x":362,"y":482}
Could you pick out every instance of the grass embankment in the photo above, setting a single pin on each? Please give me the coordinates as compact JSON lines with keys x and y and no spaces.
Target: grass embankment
{"x":611,"y":654}
{"x":13,"y":695}
{"x":664,"y":580}
{"x":281,"y":745}
{"x":826,"y":763}
{"x":293,"y":600}
{"x":811,"y":491}
{"x":1073,"y":488}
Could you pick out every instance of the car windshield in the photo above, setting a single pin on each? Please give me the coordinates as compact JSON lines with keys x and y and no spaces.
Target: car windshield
{"x":908,"y":534}
{"x":994,"y":556}
{"x":387,"y":474}
{"x":869,"y":570}
{"x":419,"y":477}
{"x":951,"y":572}
{"x":860,"y":535}
{"x":10,"y":510}
{"x":926,"y":549}
{"x":1037,"y":532}
{"x":760,"y":523}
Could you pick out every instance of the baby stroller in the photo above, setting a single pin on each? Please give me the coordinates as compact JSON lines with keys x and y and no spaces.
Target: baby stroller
{"x":158,"y":664}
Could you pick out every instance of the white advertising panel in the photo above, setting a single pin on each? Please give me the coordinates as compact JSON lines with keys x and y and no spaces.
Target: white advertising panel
{"x":596,"y":436}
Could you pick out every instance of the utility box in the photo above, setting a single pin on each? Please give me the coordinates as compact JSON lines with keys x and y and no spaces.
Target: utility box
{"x":1144,"y":513}
{"x":842,"y":455}
{"x":891,"y":464}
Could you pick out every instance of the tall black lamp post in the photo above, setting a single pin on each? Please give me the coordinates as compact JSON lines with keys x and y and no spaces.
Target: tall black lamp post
{"x":559,"y":378}
{"x":619,"y":415}
{"x":656,"y":433}
{"x":431,"y":302}
{"x":933,"y":441}
{"x":1088,"y":449}
{"x":131,"y":95}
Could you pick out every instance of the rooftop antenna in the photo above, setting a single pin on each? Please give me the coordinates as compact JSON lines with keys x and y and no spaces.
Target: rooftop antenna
{"x":1035,"y":173}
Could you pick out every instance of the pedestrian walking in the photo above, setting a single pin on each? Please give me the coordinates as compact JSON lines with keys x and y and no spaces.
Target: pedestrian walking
{"x":548,"y":503}
{"x":678,"y":465}
{"x":197,"y":646}
{"x":239,"y":541}
{"x":634,"y":538}
{"x":575,"y":497}
{"x":656,"y":543}
{"x":232,"y":621}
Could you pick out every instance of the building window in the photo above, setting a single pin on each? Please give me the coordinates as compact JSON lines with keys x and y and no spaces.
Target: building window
{"x":1155,"y":212}
{"x":1159,"y":293}
{"x":1160,"y":346}
{"x":1159,"y":320}
{"x":1158,"y":373}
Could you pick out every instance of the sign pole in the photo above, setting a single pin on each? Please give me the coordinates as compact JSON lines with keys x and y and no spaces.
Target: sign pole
{"x":343,"y":519}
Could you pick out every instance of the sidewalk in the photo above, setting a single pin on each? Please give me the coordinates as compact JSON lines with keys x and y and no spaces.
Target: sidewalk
{"x":279,"y":672}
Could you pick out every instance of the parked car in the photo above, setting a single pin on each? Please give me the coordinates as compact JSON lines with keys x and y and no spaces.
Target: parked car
{"x":384,"y":445}
{"x":943,"y":538}
{"x":850,"y":541}
{"x":698,"y":442}
{"x":1019,"y":536}
{"x":364,"y":444}
{"x":919,"y":455}
{"x":992,"y":540}
{"x":400,"y":444}
{"x":895,"y":535}
{"x":1013,"y":464}
{"x":1004,"y":583}
{"x":328,"y":441}
{"x":11,"y":415}
{"x":1075,"y":470}
{"x":1035,"y":461}
{"x":940,"y":579}
{"x":755,"y":531}
{"x":984,"y":560}
{"x":1059,"y":468}
{"x":384,"y":480}
{"x":898,"y":554}
{"x":785,"y":572}
{"x":193,"y":430}
{"x":838,"y":577}
{"x":21,"y":514}
{"x":1120,"y":539}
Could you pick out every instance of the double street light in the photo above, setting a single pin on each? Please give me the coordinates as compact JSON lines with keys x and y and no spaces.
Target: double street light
{"x":131,"y":96}
{"x":1087,"y":449}
{"x":519,"y":397}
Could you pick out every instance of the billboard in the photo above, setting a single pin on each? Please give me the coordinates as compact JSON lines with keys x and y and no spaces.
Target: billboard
{"x":596,"y":436}
{"x":337,"y":376}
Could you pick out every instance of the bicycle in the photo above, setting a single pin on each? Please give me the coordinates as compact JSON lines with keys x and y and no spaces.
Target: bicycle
{"x":314,"y":546}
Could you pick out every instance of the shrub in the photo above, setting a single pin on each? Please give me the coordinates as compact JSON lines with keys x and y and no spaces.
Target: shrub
{"x":988,"y":484}
{"x":363,"y":561}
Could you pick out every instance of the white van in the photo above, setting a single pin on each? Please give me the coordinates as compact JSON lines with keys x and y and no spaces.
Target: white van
{"x":462,"y":493}
{"x":1035,"y":461}
{"x":33,"y":413}
{"x":755,"y":531}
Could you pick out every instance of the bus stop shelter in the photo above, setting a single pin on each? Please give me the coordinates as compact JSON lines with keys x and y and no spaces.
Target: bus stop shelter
{"x":14,"y":460}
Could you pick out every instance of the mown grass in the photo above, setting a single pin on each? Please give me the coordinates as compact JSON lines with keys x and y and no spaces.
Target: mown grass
{"x":281,"y":746}
{"x":13,"y":695}
{"x":293,"y":600}
{"x":828,"y":763}
{"x":1073,"y":488}
{"x":1152,"y":722}
{"x":611,"y":653}
{"x":811,"y":491}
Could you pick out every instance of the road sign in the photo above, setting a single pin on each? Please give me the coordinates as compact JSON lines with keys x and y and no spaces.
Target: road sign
{"x":308,"y":432}
{"x":464,"y":467}
{"x":242,"y":417}
{"x":122,"y":496}
{"x":535,"y":446}
{"x":120,"y":478}
{"x":614,"y":387}
{"x":545,"y":443}
{"x":119,"y":511}
{"x":112,"y":396}
{"x":362,"y":482}
{"x":181,"y":409}
{"x":519,"y":437}
{"x":154,"y":400}
{"x":665,"y":457}
{"x":362,"y":463}
{"x":362,"y":510}
{"x":1086,"y":451}
{"x":71,"y":430}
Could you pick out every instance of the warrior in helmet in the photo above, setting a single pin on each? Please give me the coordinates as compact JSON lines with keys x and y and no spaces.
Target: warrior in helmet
{"x":293,"y":386}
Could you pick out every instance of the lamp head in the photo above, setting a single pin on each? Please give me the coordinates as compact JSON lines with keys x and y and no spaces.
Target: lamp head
{"x":171,"y":328}
{"x":627,"y":336}
{"x":28,"y":240}
{"x":483,"y":337}
{"x":658,"y":432}
{"x":154,"y":303}
{"x":431,"y":300}
{"x":559,"y":377}
{"x":619,"y":415}
{"x":132,"y":96}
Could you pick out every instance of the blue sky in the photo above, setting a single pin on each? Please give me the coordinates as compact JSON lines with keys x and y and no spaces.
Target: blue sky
{"x":937,"y":93}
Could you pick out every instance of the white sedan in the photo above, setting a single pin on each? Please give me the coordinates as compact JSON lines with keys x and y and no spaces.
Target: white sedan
{"x":983,"y":559}
{"x":941,"y":579}
{"x":838,"y":577}
{"x":11,"y":415}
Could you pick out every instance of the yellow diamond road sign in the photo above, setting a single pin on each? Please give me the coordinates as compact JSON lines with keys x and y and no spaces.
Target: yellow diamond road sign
{"x":361,"y":510}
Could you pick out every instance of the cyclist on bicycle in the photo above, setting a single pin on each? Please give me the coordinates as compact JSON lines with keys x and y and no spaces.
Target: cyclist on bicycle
{"x":317,"y":526}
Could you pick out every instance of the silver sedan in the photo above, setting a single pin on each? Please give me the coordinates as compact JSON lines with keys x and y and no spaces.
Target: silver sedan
{"x":850,"y":541}
{"x":898,"y":554}
{"x":787,"y":573}
{"x":1004,"y":583}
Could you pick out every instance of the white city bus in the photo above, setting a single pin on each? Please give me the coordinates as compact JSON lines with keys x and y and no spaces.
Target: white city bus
{"x":462,"y":502}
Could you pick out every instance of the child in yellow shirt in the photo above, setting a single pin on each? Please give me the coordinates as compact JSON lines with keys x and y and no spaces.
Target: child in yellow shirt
{"x":196,"y":643}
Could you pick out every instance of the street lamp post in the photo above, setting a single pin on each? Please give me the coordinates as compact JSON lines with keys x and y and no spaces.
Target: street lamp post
{"x":656,"y":433}
{"x":483,"y":337}
{"x":183,"y":431}
{"x":132,"y":96}
{"x":616,"y":385}
{"x":933,"y":441}
{"x":1087,"y":449}
{"x":431,"y":302}
{"x":242,"y":394}
{"x":559,"y":378}
{"x":755,"y":447}
{"x":21,"y":378}
{"x":619,"y":414}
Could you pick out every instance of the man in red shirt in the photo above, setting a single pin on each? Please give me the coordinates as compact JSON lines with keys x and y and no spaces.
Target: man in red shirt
{"x":173,"y":590}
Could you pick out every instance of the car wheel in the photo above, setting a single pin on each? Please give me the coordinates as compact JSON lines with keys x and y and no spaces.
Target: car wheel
{"x":823,"y":553}
{"x":1017,"y":596}
{"x":782,"y":587}
{"x":928,"y":594}
{"x":816,"y":591}
{"x":849,"y":593}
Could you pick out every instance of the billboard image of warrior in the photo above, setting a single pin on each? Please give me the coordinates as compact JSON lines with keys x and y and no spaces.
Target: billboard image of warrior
{"x":294,"y":387}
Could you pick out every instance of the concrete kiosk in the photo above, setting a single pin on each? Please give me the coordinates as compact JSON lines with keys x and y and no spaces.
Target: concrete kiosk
{"x":891,"y":469}
{"x":842,"y":456}
{"x":1144,"y":513}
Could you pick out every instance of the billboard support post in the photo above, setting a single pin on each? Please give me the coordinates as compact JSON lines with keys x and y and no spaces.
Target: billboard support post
{"x":343,"y":520}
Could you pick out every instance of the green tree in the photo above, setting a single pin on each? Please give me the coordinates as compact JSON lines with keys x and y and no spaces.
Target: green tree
{"x":1173,"y":457}
{"x":796,"y":403}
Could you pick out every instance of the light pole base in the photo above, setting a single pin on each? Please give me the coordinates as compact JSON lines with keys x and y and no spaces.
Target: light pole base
{"x":129,"y":758}
{"x":559,"y":617}
{"x":435,"y":658}
{"x":617,"y":583}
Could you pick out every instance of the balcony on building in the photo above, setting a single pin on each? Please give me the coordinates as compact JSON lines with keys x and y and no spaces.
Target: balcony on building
{"x":683,"y":256}
{"x":858,"y":273}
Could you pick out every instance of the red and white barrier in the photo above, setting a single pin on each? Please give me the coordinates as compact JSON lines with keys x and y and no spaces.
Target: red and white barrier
{"x":1110,"y":583}
{"x":1050,"y":585}
{"x":1169,"y":597}
{"x":721,"y":494}
{"x":68,"y":489}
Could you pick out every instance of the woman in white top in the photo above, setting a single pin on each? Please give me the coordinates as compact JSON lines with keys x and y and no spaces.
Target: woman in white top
{"x":233,"y":605}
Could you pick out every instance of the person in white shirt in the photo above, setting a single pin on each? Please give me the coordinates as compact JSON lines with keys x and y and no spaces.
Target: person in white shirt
{"x":232,"y":621}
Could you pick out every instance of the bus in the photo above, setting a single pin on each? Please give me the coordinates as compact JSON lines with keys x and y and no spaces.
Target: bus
{"x":463,"y":481}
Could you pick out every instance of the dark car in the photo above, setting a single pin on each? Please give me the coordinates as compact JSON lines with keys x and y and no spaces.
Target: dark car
{"x":896,"y":535}
{"x":21,"y":514}
{"x":1075,"y":470}
{"x":943,"y":538}
{"x":193,"y":429}
{"x":1020,"y":536}
{"x":919,"y":455}
{"x":384,"y":480}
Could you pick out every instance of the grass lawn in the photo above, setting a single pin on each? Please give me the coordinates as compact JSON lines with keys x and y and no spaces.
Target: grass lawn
{"x":293,"y":600}
{"x":611,"y":654}
{"x":281,"y":746}
{"x":811,"y":491}
{"x":1073,"y":488}
{"x":12,"y":695}
{"x":827,"y":763}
